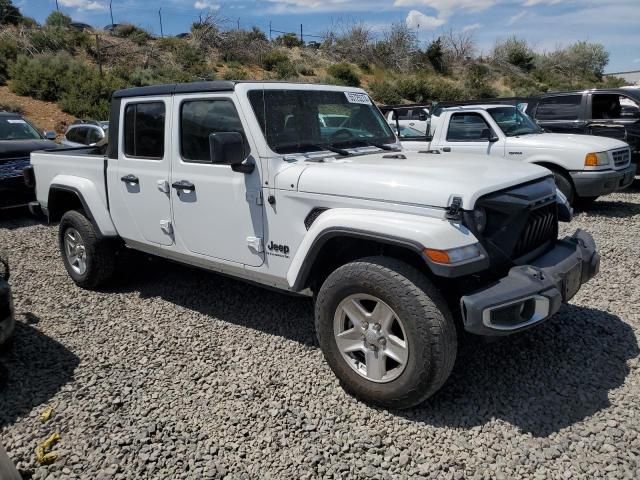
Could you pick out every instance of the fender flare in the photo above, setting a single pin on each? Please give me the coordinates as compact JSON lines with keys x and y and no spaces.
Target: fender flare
{"x":410,"y":231}
{"x":92,"y":202}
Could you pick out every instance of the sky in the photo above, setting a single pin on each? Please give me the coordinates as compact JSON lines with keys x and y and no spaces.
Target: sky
{"x":546,"y":24}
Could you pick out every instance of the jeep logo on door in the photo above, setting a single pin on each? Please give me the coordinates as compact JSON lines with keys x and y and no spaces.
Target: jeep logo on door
{"x":278,"y":249}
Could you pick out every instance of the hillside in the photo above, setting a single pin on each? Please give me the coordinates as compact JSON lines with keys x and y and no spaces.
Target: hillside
{"x":79,"y":69}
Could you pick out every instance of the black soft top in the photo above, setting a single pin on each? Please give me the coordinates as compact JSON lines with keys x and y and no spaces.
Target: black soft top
{"x":171,"y":88}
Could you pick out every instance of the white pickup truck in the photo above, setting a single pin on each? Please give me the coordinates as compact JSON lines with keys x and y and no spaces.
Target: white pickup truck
{"x":584,"y":167}
{"x":402,"y":251}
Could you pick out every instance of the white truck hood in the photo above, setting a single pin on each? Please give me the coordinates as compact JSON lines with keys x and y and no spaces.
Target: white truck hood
{"x":420,"y":179}
{"x":568,"y":142}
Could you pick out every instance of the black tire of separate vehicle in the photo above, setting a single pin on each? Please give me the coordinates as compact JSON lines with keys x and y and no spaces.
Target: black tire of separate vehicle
{"x":100,"y":252}
{"x":430,"y":329}
{"x":585,"y":202}
{"x":564,"y":184}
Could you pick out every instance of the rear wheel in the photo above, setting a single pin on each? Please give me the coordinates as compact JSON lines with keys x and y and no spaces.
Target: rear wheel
{"x":88,"y":258}
{"x":385,"y":331}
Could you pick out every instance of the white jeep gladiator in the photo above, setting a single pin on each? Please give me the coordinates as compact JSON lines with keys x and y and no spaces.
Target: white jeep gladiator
{"x":584,"y":167}
{"x":403,"y":252}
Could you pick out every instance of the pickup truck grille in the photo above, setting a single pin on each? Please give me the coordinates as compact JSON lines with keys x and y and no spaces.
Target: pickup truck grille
{"x":541,"y":226}
{"x":12,"y":168}
{"x":621,"y":157}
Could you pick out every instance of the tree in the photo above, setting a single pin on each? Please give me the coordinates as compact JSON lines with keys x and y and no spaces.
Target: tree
{"x":9,"y":13}
{"x":288,"y":40}
{"x":514,"y":51}
{"x":57,"y":19}
{"x":435,"y":54}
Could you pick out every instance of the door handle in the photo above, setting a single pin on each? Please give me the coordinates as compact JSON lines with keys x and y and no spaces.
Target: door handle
{"x":130,"y":179}
{"x":446,"y":149}
{"x":184,"y":185}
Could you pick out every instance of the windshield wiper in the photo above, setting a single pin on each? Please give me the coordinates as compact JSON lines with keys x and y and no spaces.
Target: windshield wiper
{"x":368,"y":143}
{"x":331,"y":148}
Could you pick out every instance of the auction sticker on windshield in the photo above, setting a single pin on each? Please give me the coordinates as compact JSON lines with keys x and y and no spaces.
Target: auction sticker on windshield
{"x":16,"y":121}
{"x":355,"y":97}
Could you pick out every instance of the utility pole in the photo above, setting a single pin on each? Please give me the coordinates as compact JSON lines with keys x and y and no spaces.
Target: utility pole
{"x":160,"y":15}
{"x":301,"y":36}
{"x":269,"y":30}
{"x":57,"y":7}
{"x":110,"y":10}
{"x":238,"y":23}
{"x":99,"y":55}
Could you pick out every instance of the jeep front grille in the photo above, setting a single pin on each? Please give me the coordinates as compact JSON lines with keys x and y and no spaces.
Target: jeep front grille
{"x":621,"y":158}
{"x":541,"y":227}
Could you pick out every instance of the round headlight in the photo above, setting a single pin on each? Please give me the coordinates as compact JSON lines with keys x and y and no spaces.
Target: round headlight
{"x":480,"y":217}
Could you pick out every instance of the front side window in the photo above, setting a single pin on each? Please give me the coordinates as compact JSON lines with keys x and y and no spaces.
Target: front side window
{"x":16,"y":128}
{"x":513,"y":122}
{"x":199,"y":119}
{"x":468,"y":127}
{"x":296,"y":120}
{"x":565,"y":107}
{"x":144,"y":130}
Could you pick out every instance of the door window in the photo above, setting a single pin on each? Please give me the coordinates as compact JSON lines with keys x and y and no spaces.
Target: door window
{"x":144,"y":130}
{"x":199,"y":119}
{"x":565,"y":107}
{"x":613,"y":106}
{"x":468,"y":127}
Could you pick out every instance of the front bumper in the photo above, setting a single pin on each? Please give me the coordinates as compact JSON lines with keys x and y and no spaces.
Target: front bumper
{"x":530,"y":294}
{"x":595,"y":183}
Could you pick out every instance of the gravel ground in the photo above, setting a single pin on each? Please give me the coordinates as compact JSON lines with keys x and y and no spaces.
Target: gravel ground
{"x":182,"y":374}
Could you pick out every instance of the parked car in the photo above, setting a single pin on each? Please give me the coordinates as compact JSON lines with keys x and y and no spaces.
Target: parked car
{"x":18,"y":138}
{"x":85,"y":133}
{"x":7,"y":320}
{"x":81,"y":27}
{"x":584,"y":167}
{"x":413,"y":116}
{"x":111,"y":27}
{"x":611,"y":112}
{"x":399,"y":249}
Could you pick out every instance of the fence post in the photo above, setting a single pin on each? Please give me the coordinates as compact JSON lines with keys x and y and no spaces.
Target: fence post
{"x":269,"y":30}
{"x":110,"y":10}
{"x":160,"y":15}
{"x":99,"y":55}
{"x":301,"y":36}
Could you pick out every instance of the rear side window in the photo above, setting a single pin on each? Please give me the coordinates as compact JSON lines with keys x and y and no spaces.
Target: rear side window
{"x":144,"y":130}
{"x":468,"y":127}
{"x":566,"y":107}
{"x":200,"y":118}
{"x":613,"y":106}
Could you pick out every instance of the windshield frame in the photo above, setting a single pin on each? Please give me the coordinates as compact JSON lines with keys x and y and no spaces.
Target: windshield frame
{"x":304,"y":92}
{"x":536,"y":129}
{"x":27,"y":122}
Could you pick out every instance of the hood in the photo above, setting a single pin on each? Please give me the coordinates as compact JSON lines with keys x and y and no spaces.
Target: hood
{"x":564,"y":141}
{"x":22,"y":148}
{"x":420,"y":179}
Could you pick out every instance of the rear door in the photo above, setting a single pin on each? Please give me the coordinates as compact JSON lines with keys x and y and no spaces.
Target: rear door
{"x":613,"y":115}
{"x":139,"y":181}
{"x":221,"y":214}
{"x":562,"y":113}
{"x":469,"y":132}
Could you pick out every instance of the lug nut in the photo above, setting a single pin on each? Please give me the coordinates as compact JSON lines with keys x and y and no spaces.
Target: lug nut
{"x":377,"y":327}
{"x":365,"y":325}
{"x":382,"y":341}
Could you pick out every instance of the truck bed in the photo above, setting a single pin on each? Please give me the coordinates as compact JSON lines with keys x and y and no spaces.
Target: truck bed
{"x":50,"y":168}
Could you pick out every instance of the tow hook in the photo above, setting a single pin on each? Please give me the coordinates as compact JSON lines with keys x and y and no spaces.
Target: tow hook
{"x":454,"y":210}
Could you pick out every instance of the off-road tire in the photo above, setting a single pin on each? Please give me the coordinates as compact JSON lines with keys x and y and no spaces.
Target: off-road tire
{"x":430,"y":329}
{"x":100,"y":252}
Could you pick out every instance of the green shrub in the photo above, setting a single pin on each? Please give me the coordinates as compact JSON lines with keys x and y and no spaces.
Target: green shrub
{"x":57,"y":19}
{"x":41,"y":77}
{"x":286,"y":70}
{"x":414,"y":89}
{"x":235,"y":74}
{"x":9,"y":13}
{"x":385,"y":92}
{"x":306,"y":71}
{"x":271,"y":60}
{"x":288,"y":40}
{"x":345,"y":73}
{"x":135,"y":34}
{"x":477,"y":82}
{"x":8,"y":54}
{"x":189,"y":57}
{"x":444,"y":90}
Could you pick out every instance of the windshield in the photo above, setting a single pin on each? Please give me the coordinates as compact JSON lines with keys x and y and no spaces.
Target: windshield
{"x":15,"y":128}
{"x":309,"y":120}
{"x":513,"y":122}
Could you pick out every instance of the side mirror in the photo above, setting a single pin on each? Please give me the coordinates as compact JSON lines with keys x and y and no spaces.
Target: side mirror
{"x":50,"y":135}
{"x":493,"y":138}
{"x":422,"y":117}
{"x":228,"y":148}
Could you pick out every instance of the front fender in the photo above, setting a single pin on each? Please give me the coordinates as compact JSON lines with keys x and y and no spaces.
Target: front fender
{"x":566,"y":162}
{"x":411,"y":231}
{"x":93,"y":201}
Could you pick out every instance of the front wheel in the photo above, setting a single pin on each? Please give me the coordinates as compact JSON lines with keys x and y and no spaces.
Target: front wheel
{"x":385,"y":331}
{"x":565,"y":186}
{"x":88,"y":258}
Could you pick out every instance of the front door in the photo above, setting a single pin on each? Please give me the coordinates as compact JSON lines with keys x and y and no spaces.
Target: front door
{"x":138,"y":180}
{"x":217,"y":211}
{"x":469,"y":132}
